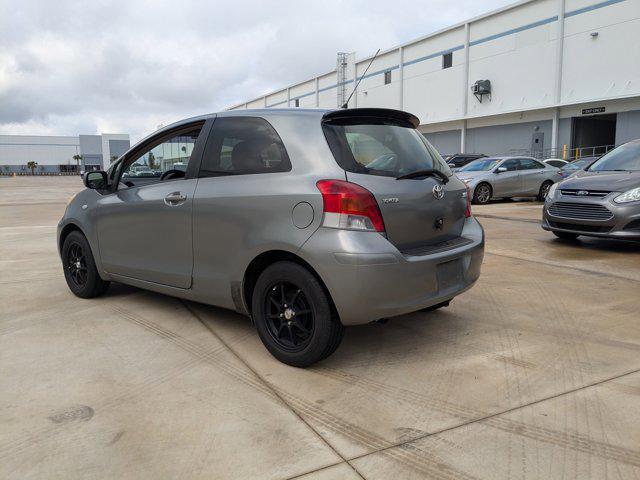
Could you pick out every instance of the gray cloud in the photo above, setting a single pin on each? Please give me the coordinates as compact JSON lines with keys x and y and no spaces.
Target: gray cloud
{"x":69,"y":67}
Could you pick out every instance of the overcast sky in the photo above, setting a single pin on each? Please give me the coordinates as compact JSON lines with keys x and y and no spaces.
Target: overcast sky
{"x":70,"y":67}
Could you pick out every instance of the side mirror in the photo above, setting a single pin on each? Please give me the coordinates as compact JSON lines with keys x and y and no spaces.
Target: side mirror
{"x":95,"y":180}
{"x":501,"y":169}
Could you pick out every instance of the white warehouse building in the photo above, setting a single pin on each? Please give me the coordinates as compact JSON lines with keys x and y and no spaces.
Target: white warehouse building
{"x":564,"y":78}
{"x":54,"y":154}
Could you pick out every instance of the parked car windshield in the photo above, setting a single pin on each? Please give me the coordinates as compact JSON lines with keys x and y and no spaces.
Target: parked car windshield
{"x":624,"y":158}
{"x":482,"y":165}
{"x":382,"y":149}
{"x":576,"y":165}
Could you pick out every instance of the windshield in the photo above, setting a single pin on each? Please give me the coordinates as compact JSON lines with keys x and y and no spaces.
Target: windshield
{"x":624,"y":158}
{"x":576,"y":165}
{"x":482,"y":165}
{"x":381,"y":149}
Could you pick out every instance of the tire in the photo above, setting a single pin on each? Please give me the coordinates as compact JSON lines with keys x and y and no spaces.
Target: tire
{"x":566,"y":235}
{"x":80,"y":270}
{"x":482,"y":194}
{"x":544,"y":190}
{"x":282,"y":293}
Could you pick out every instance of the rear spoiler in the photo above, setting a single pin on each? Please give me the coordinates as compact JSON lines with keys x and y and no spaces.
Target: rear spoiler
{"x":378,"y":114}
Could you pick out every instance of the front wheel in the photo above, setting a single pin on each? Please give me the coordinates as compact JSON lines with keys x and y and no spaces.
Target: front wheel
{"x":294,"y":315}
{"x":80,"y":270}
{"x":544,"y":190}
{"x":482,"y":194}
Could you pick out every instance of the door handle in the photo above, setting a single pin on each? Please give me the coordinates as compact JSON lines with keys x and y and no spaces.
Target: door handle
{"x":175,"y":198}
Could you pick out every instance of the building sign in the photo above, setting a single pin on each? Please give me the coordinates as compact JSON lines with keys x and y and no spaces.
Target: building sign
{"x":591,"y":111}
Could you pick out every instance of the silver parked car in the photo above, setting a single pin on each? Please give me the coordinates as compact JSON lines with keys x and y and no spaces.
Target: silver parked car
{"x":506,"y":177}
{"x":306,"y":220}
{"x":603,"y":200}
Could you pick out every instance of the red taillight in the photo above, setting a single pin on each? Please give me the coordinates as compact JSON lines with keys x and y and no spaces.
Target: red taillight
{"x":349,"y":206}
{"x":467,"y":212}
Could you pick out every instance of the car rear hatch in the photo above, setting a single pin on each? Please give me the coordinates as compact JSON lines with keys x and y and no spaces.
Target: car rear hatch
{"x":377,"y":148}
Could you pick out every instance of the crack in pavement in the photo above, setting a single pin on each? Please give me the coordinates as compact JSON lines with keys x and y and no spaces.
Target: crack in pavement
{"x":275,"y":392}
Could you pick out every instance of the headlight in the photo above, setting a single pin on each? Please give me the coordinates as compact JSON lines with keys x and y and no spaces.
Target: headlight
{"x":629,"y":196}
{"x":552,"y":191}
{"x":466,"y":180}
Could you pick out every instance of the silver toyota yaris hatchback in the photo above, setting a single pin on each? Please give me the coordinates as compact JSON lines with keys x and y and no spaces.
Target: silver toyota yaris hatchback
{"x":306,"y":220}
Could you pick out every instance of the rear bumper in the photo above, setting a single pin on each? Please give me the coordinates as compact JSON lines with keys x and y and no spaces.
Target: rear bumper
{"x":369,"y":279}
{"x":618,"y":226}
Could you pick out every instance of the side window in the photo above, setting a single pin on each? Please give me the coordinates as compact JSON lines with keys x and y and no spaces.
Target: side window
{"x":530,"y":164}
{"x":510,"y":165}
{"x":556,"y":163}
{"x":166,"y":160}
{"x":243,"y":145}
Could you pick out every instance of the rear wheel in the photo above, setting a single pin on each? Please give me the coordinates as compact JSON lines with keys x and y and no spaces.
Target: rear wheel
{"x":80,"y":270}
{"x":294,"y":315}
{"x":566,"y":235}
{"x":544,"y":190}
{"x":482,"y":194}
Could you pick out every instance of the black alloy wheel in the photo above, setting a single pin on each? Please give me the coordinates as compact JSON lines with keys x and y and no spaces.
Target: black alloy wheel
{"x":290,"y":319}
{"x":79,"y":267}
{"x":294,"y":315}
{"x":77,"y":264}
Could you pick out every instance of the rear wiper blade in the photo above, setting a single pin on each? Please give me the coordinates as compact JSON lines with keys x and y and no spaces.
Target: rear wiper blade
{"x":429,"y":172}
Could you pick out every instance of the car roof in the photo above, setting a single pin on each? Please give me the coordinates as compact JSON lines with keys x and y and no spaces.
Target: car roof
{"x":266,"y":113}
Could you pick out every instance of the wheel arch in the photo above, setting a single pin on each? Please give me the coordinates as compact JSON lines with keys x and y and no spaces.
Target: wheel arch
{"x":483,"y":182}
{"x":264,"y":260}
{"x":66,"y":230}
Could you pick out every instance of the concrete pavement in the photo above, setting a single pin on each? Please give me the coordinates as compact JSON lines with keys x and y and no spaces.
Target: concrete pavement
{"x":533,"y":373}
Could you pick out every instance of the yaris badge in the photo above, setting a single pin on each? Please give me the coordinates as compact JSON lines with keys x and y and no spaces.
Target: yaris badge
{"x":438,"y":192}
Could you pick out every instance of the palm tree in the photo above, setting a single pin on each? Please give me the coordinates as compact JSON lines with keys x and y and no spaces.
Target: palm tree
{"x":32,"y":165}
{"x":77,"y":157}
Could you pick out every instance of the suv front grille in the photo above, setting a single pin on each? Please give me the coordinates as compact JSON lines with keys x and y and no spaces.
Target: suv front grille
{"x":585,"y":193}
{"x":580,"y":211}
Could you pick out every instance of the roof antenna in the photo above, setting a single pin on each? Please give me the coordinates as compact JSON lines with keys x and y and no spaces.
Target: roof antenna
{"x":346,"y":104}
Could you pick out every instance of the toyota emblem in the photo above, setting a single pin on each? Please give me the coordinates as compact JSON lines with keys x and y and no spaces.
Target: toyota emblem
{"x":438,"y":192}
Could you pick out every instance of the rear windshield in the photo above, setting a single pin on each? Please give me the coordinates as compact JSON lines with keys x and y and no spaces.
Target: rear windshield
{"x":624,"y":158}
{"x":380,"y":148}
{"x":483,"y":165}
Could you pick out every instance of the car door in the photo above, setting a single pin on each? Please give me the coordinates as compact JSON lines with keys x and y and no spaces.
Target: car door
{"x":507,"y":183}
{"x":243,"y":204}
{"x":531,"y":175}
{"x":145,"y":226}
